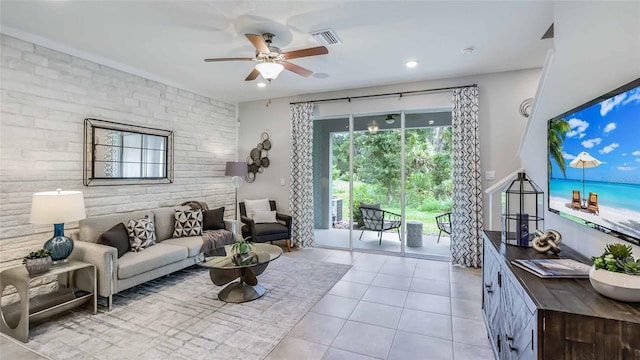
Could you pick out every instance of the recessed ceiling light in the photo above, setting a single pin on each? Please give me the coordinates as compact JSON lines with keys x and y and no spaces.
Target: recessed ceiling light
{"x":468,"y":50}
{"x":261,"y":84}
{"x":411,"y":64}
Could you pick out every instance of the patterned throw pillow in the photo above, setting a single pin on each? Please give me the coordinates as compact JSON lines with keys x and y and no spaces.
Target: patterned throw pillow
{"x":188,"y":223}
{"x":142,"y":233}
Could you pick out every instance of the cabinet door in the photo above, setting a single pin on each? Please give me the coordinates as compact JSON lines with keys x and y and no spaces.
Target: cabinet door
{"x":517,"y":320}
{"x":491,"y":294}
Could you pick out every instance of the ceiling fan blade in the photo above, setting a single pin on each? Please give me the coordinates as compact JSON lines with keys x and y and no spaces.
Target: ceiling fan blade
{"x":297,"y":69}
{"x":253,"y":75}
{"x":320,"y":50}
{"x":258,"y":42}
{"x":228,"y":59}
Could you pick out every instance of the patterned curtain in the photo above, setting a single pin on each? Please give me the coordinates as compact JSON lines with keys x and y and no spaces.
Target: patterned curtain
{"x":301,"y":190}
{"x":466,"y":217}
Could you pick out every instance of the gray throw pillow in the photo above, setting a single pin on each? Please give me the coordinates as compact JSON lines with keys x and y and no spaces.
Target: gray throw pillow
{"x":213,"y":219}
{"x":141,"y":233}
{"x":188,"y":223}
{"x":116,"y":237}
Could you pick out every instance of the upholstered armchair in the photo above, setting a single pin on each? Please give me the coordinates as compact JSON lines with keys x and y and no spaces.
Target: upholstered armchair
{"x":261,"y":232}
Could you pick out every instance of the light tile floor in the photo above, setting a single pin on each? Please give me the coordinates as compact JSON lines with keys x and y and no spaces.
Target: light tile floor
{"x":389,"y":307}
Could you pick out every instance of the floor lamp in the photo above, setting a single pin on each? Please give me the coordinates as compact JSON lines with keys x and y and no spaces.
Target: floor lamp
{"x":238,"y":170}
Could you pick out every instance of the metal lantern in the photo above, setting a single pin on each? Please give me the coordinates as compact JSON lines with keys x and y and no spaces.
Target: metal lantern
{"x":522,"y":211}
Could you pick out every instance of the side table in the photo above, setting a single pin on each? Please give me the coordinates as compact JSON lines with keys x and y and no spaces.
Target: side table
{"x":16,"y":317}
{"x":414,"y":234}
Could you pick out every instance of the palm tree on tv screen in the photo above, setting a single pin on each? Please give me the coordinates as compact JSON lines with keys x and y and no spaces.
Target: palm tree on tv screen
{"x":557,"y":132}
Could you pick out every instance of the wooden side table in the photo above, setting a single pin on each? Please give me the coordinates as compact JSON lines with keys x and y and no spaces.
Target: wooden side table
{"x":73,"y":291}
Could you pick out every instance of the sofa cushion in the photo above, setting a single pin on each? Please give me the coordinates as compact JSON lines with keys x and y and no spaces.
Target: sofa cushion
{"x":159,"y":255}
{"x":187,"y":223}
{"x":192,"y":243}
{"x":164,"y":221}
{"x":92,"y":227}
{"x":116,"y":237}
{"x":213,"y":219}
{"x":142,"y":233}
{"x":270,"y":229}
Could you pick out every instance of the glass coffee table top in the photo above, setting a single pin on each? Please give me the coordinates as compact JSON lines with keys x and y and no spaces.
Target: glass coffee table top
{"x":225,"y":266}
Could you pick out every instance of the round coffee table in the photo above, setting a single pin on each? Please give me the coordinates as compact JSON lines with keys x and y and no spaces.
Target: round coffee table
{"x":224,"y":267}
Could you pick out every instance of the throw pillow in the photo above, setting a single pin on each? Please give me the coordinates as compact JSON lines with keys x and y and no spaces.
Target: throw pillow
{"x":142,"y":233}
{"x":213,"y":219}
{"x":188,"y":223}
{"x":261,"y":217}
{"x":251,"y":206}
{"x":116,"y":237}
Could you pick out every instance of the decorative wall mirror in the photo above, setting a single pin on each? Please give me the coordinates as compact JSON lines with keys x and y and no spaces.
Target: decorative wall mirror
{"x":121,"y":154}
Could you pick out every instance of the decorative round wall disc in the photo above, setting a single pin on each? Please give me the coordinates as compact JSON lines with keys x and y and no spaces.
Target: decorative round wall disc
{"x":261,"y":170}
{"x":251,"y":177}
{"x":264,"y":162}
{"x":249,"y":160}
{"x":266,"y":145}
{"x":264,"y":153}
{"x":258,"y":162}
{"x":264,"y":136}
{"x":253,"y":168}
{"x":259,"y":146}
{"x":255,"y":154}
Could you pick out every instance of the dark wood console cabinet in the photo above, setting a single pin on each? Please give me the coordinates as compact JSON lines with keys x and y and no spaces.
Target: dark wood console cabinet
{"x":532,"y":318}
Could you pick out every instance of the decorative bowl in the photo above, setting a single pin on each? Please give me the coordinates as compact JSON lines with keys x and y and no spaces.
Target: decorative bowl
{"x":614,"y":285}
{"x":38,"y":266}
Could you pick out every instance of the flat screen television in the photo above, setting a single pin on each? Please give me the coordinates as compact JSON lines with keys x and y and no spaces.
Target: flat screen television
{"x":594,"y":163}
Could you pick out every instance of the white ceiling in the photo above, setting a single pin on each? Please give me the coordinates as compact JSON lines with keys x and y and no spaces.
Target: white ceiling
{"x":168,"y":40}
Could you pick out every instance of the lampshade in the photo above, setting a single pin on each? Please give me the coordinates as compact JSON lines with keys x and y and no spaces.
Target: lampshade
{"x":235,"y":168}
{"x":57,"y":207}
{"x":269,"y":70}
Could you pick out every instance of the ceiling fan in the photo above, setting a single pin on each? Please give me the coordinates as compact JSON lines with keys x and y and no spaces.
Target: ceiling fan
{"x":271,"y":60}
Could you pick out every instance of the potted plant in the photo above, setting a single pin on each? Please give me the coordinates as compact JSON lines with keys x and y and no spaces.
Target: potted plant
{"x":37,"y":261}
{"x":242,"y":246}
{"x":615,"y":273}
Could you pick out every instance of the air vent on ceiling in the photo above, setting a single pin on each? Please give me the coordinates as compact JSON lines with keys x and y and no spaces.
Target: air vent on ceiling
{"x":326,"y":37}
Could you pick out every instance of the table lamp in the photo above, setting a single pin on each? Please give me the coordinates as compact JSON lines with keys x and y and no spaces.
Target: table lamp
{"x":57,"y":207}
{"x":237,"y":169}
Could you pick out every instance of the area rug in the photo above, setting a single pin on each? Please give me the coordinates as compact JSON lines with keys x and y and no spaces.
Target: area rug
{"x":180,"y":317}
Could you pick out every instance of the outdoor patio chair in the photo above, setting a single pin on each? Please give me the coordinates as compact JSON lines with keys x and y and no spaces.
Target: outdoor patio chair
{"x":376,"y":219}
{"x":575,"y":201}
{"x":444,"y":224}
{"x":592,"y":204}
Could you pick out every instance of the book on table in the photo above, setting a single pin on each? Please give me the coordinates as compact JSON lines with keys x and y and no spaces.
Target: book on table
{"x":554,"y":268}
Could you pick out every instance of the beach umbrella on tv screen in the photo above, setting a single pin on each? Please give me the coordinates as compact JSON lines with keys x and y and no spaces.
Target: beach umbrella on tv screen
{"x":584,"y":161}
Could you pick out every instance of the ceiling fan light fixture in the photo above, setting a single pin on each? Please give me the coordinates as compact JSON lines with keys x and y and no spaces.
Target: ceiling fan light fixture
{"x":389,"y":120}
{"x":261,"y":84}
{"x":269,"y":70}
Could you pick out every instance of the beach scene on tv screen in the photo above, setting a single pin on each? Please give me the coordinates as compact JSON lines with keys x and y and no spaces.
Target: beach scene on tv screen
{"x":594,"y":164}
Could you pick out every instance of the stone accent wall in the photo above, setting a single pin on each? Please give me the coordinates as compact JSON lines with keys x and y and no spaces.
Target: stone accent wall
{"x":45,"y":97}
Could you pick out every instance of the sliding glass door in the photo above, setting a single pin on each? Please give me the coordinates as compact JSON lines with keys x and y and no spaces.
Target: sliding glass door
{"x":381,"y":180}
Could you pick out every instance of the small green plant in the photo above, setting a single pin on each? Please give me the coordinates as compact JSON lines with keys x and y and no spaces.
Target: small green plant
{"x":42,"y":253}
{"x":242,"y":246}
{"x":617,"y":258}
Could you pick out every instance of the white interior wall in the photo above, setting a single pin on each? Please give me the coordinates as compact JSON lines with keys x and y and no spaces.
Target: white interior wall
{"x":501,"y":125}
{"x":45,"y":97}
{"x":597,"y":49}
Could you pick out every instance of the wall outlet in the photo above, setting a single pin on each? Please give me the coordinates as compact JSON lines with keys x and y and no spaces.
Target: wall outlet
{"x":281,"y":181}
{"x":490,"y":175}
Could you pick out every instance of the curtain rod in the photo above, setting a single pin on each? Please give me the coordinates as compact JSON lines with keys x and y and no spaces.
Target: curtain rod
{"x":349,"y":98}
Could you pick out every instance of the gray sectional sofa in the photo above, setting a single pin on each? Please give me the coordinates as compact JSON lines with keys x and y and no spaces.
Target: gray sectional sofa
{"x":134,"y":268}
